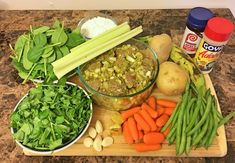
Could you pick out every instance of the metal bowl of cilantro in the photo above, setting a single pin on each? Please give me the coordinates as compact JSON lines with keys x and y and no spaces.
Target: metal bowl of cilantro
{"x":122,"y":77}
{"x":51,"y":118}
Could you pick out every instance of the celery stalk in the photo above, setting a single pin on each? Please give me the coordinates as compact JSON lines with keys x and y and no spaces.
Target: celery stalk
{"x":101,"y":36}
{"x":94,"y":52}
{"x":123,"y":28}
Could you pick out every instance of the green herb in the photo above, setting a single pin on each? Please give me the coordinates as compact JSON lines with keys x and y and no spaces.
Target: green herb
{"x":50,"y":116}
{"x":42,"y":46}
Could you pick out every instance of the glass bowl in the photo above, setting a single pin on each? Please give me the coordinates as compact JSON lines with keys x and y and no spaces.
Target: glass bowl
{"x":80,"y":24}
{"x":123,"y":102}
{"x":66,"y":144}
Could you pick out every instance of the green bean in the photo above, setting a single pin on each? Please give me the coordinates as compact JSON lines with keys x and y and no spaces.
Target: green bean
{"x":209,"y":130}
{"x":174,"y":121}
{"x":195,"y":114}
{"x":172,"y":139}
{"x":212,"y":136}
{"x":197,"y":132}
{"x":171,"y":133}
{"x":183,"y":138}
{"x":202,"y":109}
{"x":218,"y":114}
{"x":215,"y":124}
{"x":188,"y":138}
{"x":202,"y":133}
{"x":192,"y":85}
{"x":180,"y":120}
{"x":226,"y":118}
{"x":208,"y":93}
{"x":191,"y":112}
{"x":204,"y":117}
{"x":174,"y":115}
{"x":188,"y":144}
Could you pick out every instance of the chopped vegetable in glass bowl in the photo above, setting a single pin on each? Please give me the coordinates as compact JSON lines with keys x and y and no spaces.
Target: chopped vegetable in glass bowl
{"x":121,"y":77}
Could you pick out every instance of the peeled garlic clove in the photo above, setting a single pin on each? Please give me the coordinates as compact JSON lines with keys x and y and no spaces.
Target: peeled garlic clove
{"x":99,"y":126}
{"x":92,"y":132}
{"x":107,"y":141}
{"x":88,"y":142}
{"x":97,"y":145}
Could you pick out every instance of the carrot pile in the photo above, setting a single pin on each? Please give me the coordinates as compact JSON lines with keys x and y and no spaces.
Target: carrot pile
{"x":142,"y":124}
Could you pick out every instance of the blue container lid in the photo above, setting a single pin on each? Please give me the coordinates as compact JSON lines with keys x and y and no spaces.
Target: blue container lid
{"x":198,"y":17}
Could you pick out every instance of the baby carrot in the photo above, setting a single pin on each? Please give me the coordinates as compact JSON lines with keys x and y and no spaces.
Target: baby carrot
{"x":166,"y":103}
{"x":160,"y":111}
{"x":148,"y":119}
{"x":153,"y":113}
{"x":145,"y":147}
{"x":138,"y":126}
{"x":166,"y":132}
{"x":169,"y":111}
{"x":141,"y":122}
{"x":154,"y":138}
{"x":152,"y":102}
{"x":132,"y":127}
{"x":158,"y":129}
{"x":161,"y":121}
{"x":126,"y":133}
{"x":140,"y":134}
{"x":130,"y":112}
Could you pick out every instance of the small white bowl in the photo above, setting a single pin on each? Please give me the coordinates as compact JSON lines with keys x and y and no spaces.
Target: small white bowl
{"x":66,"y":145}
{"x":82,"y":21}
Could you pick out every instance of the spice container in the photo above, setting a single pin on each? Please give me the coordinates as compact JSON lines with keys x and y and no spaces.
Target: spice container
{"x":196,"y":23}
{"x":216,"y":35}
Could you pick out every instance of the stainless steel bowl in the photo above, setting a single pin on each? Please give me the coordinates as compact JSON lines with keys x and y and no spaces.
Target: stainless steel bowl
{"x":62,"y":147}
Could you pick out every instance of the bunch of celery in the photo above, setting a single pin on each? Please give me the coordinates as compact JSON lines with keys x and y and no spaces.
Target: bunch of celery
{"x":94,"y":48}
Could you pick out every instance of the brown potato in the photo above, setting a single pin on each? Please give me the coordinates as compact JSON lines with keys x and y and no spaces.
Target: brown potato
{"x":162,"y":45}
{"x":172,"y":79}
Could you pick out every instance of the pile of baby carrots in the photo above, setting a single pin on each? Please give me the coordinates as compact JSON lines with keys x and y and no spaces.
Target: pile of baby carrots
{"x":142,"y":124}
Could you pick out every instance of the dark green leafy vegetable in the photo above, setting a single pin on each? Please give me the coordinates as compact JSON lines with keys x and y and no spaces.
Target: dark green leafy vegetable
{"x":35,"y":53}
{"x":42,"y":46}
{"x":19,"y":46}
{"x":59,"y":36}
{"x":50,"y":116}
{"x":40,"y":39}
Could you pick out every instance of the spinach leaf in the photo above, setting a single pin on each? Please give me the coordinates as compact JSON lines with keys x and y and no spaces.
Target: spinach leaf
{"x":26,"y":63}
{"x":64,"y":50}
{"x":58,"y":53}
{"x":35,"y":50}
{"x":19,"y":46}
{"x":52,"y":58}
{"x":74,"y":39}
{"x":59,"y":36}
{"x":40,"y":30}
{"x":57,"y":24}
{"x":35,"y":54}
{"x":40,"y":39}
{"x":48,"y":51}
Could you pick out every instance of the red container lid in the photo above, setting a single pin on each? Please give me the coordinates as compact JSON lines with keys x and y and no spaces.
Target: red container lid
{"x":219,"y":29}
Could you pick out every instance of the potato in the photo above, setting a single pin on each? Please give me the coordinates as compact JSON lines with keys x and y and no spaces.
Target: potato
{"x":172,"y":79}
{"x":162,"y":45}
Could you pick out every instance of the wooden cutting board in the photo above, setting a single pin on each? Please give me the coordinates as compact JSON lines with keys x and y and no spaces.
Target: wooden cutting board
{"x":120,"y":148}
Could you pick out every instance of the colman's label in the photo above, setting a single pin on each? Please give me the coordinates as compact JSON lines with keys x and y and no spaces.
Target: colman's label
{"x":190,"y":42}
{"x":206,"y":56}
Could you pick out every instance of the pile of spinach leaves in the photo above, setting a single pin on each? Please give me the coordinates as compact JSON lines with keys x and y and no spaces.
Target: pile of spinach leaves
{"x":35,"y":51}
{"x":50,"y":116}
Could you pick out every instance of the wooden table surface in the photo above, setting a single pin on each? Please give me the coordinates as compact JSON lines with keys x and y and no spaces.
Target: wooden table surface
{"x":171,"y":21}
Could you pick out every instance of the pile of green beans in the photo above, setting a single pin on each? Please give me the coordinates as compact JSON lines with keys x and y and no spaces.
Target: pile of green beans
{"x":195,"y":121}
